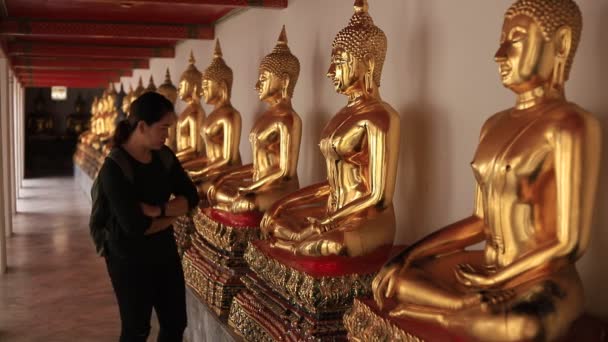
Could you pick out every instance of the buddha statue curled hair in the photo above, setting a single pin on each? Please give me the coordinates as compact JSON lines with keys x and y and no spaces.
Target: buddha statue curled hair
{"x":362,"y":37}
{"x":192,"y":75}
{"x":551,"y":15}
{"x":281,"y":61}
{"x":218,"y":71}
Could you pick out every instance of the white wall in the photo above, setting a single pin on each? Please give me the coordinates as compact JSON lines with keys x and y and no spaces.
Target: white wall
{"x":439,"y":75}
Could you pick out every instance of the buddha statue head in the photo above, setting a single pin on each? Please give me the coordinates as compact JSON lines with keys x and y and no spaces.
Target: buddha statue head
{"x":279,"y":72}
{"x":537,"y":46}
{"x":358,"y":54}
{"x":126,"y":101}
{"x":101,"y":103}
{"x":151,"y":86}
{"x":217,"y":79}
{"x":111,"y":98}
{"x":190,"y":82}
{"x":94,"y":106}
{"x":167,"y":89}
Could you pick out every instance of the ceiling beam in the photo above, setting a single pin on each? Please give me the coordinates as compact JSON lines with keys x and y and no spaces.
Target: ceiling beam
{"x":88,"y":51}
{"x":74,"y":74}
{"x":83,"y":29}
{"x":231,"y":3}
{"x":77,"y":64}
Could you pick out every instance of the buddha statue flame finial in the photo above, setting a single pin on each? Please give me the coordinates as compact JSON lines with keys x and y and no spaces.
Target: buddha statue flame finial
{"x":281,"y":61}
{"x":361,"y":6}
{"x":151,"y":86}
{"x":218,"y":71}
{"x":361,"y":37}
{"x":191,"y":60}
{"x":217,"y":53}
{"x":551,"y":15}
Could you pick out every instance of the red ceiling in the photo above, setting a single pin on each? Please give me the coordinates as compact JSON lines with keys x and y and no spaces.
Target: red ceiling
{"x":38,"y":35}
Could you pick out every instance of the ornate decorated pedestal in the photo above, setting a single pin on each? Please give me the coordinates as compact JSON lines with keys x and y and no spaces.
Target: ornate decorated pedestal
{"x":214,"y":264}
{"x":301,"y":298}
{"x":366,"y":322}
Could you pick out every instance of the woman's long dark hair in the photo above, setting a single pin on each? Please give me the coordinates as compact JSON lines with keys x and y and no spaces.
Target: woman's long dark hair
{"x":150,"y":108}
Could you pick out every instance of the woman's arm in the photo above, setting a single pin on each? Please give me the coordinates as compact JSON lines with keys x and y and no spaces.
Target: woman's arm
{"x":121,"y":198}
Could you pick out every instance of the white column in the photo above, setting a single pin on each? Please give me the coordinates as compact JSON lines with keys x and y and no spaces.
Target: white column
{"x":6,"y":143}
{"x":11,"y":155}
{"x":3,"y":183}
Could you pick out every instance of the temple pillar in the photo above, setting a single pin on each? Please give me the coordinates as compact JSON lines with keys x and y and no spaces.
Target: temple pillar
{"x":4,"y":213}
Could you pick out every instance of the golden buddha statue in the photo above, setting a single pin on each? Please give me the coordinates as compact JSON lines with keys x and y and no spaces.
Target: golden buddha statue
{"x":151,"y":86}
{"x":324,"y":243}
{"x":77,"y":122}
{"x":189,"y":141}
{"x":139,"y":90}
{"x":40,"y":121}
{"x":221,"y":130}
{"x":536,"y":169}
{"x":275,"y":141}
{"x":111,"y":109}
{"x":352,"y":213}
{"x":127,"y":100}
{"x":168,"y":90}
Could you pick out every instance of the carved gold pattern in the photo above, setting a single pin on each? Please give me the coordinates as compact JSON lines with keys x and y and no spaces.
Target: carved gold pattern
{"x":363,"y":324}
{"x":317,"y":295}
{"x":224,"y":237}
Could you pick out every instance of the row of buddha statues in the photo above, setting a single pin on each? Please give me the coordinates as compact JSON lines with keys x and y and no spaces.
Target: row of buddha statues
{"x":285,"y":262}
{"x":40,"y":121}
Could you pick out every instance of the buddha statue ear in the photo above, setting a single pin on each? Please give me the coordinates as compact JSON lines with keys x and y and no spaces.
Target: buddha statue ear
{"x":285,"y":80}
{"x":370,"y":64}
{"x":224,"y":90}
{"x":563,"y":47}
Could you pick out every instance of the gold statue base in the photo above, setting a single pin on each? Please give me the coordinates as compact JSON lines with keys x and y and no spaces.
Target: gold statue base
{"x":213,"y":263}
{"x":300,"y":298}
{"x":88,"y":159}
{"x":366,"y":322}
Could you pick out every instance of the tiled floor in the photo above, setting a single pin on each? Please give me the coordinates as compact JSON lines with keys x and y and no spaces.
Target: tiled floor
{"x":56,"y":288}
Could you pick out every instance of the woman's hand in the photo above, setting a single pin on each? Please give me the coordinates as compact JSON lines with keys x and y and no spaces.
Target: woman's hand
{"x":150,"y":210}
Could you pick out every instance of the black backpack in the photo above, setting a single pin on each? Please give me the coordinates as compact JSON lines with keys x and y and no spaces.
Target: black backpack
{"x":100,"y":210}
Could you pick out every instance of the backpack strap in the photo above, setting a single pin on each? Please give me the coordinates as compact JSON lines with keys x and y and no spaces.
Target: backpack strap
{"x":118,"y":155}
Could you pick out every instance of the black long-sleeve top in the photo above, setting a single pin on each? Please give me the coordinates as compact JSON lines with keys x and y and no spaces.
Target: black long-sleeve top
{"x":152,"y":184}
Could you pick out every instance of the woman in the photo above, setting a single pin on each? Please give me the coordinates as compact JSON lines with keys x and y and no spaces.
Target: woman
{"x":141,"y":256}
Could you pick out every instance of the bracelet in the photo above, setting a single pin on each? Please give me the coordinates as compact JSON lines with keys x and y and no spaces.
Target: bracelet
{"x":163,"y":208}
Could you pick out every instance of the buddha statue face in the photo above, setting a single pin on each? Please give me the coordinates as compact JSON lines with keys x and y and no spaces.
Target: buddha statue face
{"x":538,"y":49}
{"x":347,"y":72}
{"x":186,"y":89}
{"x":212,"y":91}
{"x":270,"y":86}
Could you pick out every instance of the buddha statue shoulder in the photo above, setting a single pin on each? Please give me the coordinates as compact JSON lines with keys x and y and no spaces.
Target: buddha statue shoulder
{"x":275,"y":141}
{"x":221,"y":130}
{"x":352,"y":213}
{"x":168,"y":90}
{"x":189,"y":141}
{"x":536,"y":169}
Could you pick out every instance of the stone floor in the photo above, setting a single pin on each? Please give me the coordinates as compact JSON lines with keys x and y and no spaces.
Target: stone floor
{"x":56,"y":287}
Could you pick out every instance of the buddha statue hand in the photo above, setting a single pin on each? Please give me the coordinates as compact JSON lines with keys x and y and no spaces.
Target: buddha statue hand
{"x":314,"y":246}
{"x":471,"y":277}
{"x":242,"y":205}
{"x":385,"y":282}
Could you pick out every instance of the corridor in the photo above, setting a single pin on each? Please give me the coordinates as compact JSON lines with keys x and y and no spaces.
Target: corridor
{"x":56,"y":287}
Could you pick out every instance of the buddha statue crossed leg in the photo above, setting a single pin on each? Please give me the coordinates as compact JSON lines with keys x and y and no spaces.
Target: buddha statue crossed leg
{"x":536,"y":169}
